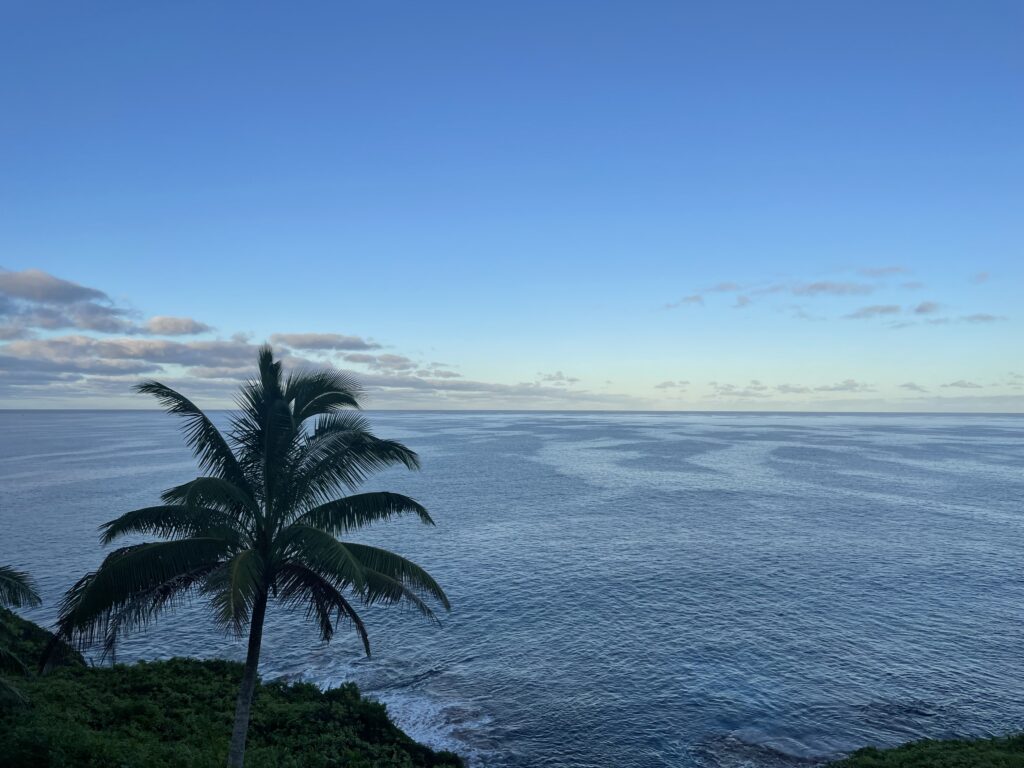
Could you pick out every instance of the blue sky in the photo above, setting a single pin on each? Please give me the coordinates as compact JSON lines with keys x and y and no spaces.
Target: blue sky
{"x":787,"y":205}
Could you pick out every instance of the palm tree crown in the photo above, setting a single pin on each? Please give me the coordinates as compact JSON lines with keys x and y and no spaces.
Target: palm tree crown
{"x":261,"y":522}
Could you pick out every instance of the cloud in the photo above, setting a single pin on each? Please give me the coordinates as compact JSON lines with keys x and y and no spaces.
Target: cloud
{"x":832,"y":289}
{"x":912,"y":285}
{"x":726,"y":287}
{"x":981,"y":317}
{"x":693,"y":299}
{"x":385,"y":362}
{"x":557,"y":378}
{"x":160,"y":351}
{"x":42,"y":288}
{"x":792,"y":389}
{"x":163,"y":325}
{"x":741,"y":302}
{"x":322,"y":341}
{"x":980,"y":277}
{"x":875,"y":310}
{"x":913,"y":387}
{"x":680,"y":384}
{"x":962,"y":384}
{"x":927,"y":308}
{"x":33,"y":300}
{"x":847,"y":385}
{"x":883,"y":271}
{"x":755,"y":389}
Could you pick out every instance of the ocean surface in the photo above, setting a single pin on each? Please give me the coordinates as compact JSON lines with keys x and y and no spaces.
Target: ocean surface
{"x":629,"y":589}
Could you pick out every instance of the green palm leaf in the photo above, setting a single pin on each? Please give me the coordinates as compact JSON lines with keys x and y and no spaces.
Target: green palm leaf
{"x":323,"y":601}
{"x":125,"y":575}
{"x":171,"y":521}
{"x":398,"y":568}
{"x":352,"y":512}
{"x":322,"y":554}
{"x":17,"y":588}
{"x":205,"y":440}
{"x":313,"y":393}
{"x":235,"y":587}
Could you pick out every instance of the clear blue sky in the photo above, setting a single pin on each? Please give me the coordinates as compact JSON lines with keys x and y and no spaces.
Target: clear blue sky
{"x":528,"y":192}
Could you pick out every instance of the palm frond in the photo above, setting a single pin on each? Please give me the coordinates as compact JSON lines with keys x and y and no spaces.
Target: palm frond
{"x":321,"y":553}
{"x":125,"y":575}
{"x":312,"y":393}
{"x":205,"y":440}
{"x":145,"y":607}
{"x":212,"y":492}
{"x":390,"y":591}
{"x":339,"y":458}
{"x":325,"y":603}
{"x":234,"y":589}
{"x":17,"y":589}
{"x":172,"y":521}
{"x":361,"y":509}
{"x":401,"y":570}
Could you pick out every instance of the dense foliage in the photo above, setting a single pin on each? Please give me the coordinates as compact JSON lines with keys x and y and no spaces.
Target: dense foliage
{"x":16,"y":589}
{"x":981,"y":753}
{"x":176,"y":713}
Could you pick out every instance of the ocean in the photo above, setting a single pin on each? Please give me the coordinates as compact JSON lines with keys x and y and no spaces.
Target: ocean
{"x":629,"y":590}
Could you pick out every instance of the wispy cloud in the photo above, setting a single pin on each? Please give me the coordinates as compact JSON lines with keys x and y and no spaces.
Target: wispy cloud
{"x":875,"y":310}
{"x":832,"y":288}
{"x":695,"y":298}
{"x":927,"y":308}
{"x":754,"y":390}
{"x":847,"y":385}
{"x":962,"y":384}
{"x":913,"y":387}
{"x":980,"y":277}
{"x":322,"y":341}
{"x":883,"y":271}
{"x":741,"y":302}
{"x":678,"y":384}
{"x":981,"y":317}
{"x":558,"y":379}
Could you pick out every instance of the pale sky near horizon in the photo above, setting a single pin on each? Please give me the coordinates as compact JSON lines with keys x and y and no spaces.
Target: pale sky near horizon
{"x":655,"y":205}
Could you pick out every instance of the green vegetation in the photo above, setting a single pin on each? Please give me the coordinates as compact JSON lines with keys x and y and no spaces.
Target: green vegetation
{"x":176,"y":713}
{"x":16,"y":590}
{"x":260,"y":524}
{"x":979,"y":753}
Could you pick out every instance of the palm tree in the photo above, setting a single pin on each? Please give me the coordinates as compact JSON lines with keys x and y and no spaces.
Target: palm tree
{"x":16,"y":590}
{"x":260,"y":523}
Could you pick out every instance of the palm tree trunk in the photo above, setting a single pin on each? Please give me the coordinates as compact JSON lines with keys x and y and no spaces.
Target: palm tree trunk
{"x":236,"y":752}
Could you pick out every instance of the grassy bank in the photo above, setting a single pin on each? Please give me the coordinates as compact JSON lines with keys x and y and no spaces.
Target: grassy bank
{"x":179,"y":713}
{"x":977,"y":753}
